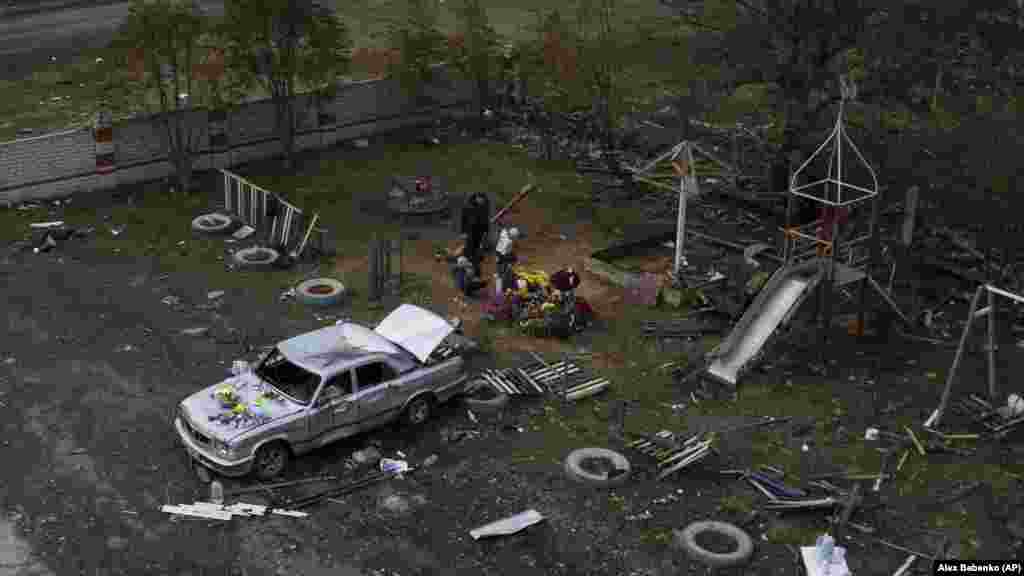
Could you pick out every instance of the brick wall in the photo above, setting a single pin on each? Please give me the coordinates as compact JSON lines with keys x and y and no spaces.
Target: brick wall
{"x":60,"y":164}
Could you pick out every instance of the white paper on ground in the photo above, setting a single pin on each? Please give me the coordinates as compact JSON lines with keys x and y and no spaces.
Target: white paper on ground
{"x":811,"y":564}
{"x":507,"y":526}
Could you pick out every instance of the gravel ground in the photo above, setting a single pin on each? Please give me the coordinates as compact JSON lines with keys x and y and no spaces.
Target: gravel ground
{"x":94,"y":364}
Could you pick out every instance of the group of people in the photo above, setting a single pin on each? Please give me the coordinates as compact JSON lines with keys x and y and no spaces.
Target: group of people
{"x":476,"y":224}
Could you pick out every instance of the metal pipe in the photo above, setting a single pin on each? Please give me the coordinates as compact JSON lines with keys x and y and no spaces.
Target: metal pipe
{"x":933,"y":421}
{"x":990,"y":352}
{"x":494,"y":382}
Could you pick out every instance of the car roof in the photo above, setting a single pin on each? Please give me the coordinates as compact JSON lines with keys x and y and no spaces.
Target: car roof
{"x":329,"y":349}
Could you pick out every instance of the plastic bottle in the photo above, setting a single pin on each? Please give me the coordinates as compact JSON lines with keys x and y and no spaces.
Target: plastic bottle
{"x":823,"y":548}
{"x":216,"y":493}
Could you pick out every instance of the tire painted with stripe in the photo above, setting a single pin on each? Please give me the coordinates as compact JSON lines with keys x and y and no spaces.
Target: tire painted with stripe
{"x":320,"y":292}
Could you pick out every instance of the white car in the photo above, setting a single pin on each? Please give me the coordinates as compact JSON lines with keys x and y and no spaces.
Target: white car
{"x":322,"y":386}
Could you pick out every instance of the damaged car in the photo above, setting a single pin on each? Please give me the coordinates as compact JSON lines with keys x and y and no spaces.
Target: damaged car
{"x":322,"y":386}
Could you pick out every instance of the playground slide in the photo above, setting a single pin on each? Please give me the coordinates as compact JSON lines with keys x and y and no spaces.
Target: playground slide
{"x":781,"y":295}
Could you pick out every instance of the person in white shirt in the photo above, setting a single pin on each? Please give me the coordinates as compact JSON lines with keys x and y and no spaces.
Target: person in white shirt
{"x":505,"y":255}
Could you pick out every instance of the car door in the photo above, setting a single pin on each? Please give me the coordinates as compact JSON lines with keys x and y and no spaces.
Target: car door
{"x":336,"y":412}
{"x":376,"y":403}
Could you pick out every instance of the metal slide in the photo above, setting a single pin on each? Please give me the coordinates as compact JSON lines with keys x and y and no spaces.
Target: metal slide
{"x":780,"y":297}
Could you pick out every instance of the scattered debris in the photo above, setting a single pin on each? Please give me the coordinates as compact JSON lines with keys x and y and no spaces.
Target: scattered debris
{"x":198,"y":331}
{"x":277,"y":485}
{"x":214,"y":294}
{"x":832,"y":565}
{"x":367,"y":455}
{"x":393,"y":466}
{"x":564,"y":379}
{"x":213,"y":511}
{"x":507,"y":526}
{"x":905,"y":567}
{"x":344,"y":489}
{"x":670,"y":456}
{"x":171,"y":300}
{"x":44,"y":225}
{"x":243,"y":232}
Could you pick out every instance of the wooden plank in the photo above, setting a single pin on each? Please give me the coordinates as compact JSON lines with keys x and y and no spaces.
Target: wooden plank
{"x":290,"y":513}
{"x":196,"y":512}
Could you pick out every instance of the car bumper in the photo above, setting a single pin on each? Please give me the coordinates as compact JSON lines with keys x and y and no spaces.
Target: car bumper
{"x":219,"y":465}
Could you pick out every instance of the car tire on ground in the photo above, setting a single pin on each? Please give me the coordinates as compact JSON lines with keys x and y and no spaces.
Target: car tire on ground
{"x":616,"y":467}
{"x":256,"y":257}
{"x":271,"y":460}
{"x":482,"y":397}
{"x":320,"y":292}
{"x":212,"y":223}
{"x":687,"y":540}
{"x":418,"y":410}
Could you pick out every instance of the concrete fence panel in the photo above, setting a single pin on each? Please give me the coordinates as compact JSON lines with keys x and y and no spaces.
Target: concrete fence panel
{"x":64,"y":163}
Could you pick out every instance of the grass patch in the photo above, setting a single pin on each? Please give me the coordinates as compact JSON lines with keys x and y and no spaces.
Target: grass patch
{"x":739,"y":504}
{"x":782,"y":532}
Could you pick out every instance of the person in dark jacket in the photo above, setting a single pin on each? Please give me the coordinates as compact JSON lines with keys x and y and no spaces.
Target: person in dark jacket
{"x":476,"y":216}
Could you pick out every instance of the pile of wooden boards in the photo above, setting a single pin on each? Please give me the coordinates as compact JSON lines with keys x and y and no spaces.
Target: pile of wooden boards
{"x":672,"y":457}
{"x":562,"y":378}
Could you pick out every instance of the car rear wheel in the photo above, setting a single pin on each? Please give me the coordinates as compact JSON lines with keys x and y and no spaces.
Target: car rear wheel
{"x":271,"y":460}
{"x":418,"y":411}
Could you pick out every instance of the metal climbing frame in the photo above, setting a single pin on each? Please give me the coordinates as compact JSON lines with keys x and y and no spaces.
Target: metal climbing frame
{"x":842,"y":261}
{"x":681,"y":159}
{"x":829,"y":191}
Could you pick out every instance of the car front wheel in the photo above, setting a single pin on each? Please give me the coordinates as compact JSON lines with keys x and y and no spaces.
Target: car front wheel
{"x":418,"y":411}
{"x":270,"y":460}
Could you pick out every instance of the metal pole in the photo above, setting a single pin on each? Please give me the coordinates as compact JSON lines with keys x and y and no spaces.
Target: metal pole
{"x":374,"y":268}
{"x":991,"y":348}
{"x":681,"y":220}
{"x":934,"y":421}
{"x":872,"y":261}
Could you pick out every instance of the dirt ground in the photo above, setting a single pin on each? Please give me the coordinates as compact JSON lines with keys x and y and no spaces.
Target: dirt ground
{"x":94,"y":364}
{"x":549,"y":247}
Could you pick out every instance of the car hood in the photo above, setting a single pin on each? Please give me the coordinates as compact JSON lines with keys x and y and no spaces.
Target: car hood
{"x":203,"y":408}
{"x":415,"y":329}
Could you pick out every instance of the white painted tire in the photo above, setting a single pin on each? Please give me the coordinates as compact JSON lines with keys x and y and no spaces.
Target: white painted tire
{"x":256,"y":257}
{"x":212,"y":223}
{"x":575,"y":469}
{"x":687,"y":540}
{"x":320,"y":292}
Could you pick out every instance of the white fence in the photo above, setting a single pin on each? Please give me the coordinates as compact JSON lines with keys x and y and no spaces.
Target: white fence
{"x":63,"y":163}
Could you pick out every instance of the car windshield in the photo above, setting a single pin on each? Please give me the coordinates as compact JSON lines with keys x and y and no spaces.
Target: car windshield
{"x":288,"y":378}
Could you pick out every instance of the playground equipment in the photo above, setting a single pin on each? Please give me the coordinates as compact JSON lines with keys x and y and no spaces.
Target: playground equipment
{"x":681,"y":159}
{"x":995,"y":425}
{"x":815,"y":255}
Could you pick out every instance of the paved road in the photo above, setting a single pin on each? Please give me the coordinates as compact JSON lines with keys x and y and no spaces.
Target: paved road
{"x":32,"y":33}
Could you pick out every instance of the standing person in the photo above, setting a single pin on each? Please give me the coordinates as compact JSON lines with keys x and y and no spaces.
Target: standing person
{"x":505,"y":255}
{"x":476,"y":216}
